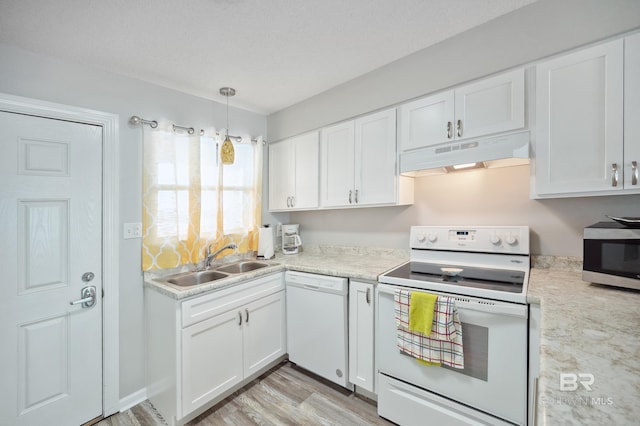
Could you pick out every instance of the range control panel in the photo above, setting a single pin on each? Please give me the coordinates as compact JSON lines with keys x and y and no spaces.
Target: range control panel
{"x":487,"y":239}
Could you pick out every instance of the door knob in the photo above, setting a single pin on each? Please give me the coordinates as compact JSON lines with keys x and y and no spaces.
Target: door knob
{"x":88,"y":297}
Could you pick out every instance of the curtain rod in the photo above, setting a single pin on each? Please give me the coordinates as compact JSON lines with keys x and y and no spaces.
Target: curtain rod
{"x":135,"y":120}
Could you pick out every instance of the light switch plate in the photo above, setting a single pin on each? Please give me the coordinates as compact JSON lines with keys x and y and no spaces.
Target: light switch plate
{"x":132,"y":230}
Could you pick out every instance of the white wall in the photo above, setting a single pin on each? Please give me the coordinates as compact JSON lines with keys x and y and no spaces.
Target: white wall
{"x":477,"y":197}
{"x":499,"y":196}
{"x":39,"y":77}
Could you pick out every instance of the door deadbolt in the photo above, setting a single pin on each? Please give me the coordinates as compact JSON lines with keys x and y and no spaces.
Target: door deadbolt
{"x":88,"y":276}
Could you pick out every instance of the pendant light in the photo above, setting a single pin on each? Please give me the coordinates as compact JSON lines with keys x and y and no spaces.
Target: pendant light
{"x":227,"y":152}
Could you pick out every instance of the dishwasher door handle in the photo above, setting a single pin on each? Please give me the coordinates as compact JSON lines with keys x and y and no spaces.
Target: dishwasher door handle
{"x":311,"y":287}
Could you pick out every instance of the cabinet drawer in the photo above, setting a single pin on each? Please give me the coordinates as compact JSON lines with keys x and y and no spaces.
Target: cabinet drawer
{"x":204,"y":307}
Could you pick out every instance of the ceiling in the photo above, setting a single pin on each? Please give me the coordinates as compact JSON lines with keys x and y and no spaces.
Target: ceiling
{"x":275,"y":53}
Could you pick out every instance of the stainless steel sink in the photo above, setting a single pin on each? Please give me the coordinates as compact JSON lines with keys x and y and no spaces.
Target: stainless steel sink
{"x":240,"y":267}
{"x":186,"y":279}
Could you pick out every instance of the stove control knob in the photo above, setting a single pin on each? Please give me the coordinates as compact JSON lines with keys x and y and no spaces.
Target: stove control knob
{"x":421,"y":238}
{"x":512,"y":240}
{"x":495,"y":240}
{"x":433,"y":238}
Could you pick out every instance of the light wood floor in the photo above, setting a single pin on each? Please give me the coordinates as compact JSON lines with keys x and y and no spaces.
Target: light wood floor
{"x":286,"y":395}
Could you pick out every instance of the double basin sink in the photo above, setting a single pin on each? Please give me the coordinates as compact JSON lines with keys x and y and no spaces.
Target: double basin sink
{"x":186,"y":279}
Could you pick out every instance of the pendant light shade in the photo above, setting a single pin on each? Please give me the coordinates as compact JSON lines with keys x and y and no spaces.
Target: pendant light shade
{"x":227,"y":151}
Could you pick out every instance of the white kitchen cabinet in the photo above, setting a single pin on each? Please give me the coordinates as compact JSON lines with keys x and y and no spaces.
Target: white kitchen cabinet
{"x":264,"y":332}
{"x":358,"y":164}
{"x":293,"y":173}
{"x":212,"y":354}
{"x":202,"y":348}
{"x":579,"y":122}
{"x":243,"y":340}
{"x":337,"y":165}
{"x":361,"y":335}
{"x":489,"y":106}
{"x":631,"y":163}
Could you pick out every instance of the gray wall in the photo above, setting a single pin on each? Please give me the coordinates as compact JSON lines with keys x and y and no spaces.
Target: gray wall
{"x":39,"y":77}
{"x":525,"y":35}
{"x":477,"y":197}
{"x":499,"y":196}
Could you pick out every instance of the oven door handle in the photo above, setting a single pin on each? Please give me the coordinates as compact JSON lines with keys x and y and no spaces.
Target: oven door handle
{"x":489,"y":306}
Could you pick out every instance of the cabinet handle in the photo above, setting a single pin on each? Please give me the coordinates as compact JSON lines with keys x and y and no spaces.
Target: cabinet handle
{"x":459,"y":128}
{"x":350,"y":191}
{"x":239,"y":318}
{"x":534,"y":416}
{"x":634,"y":173}
{"x":614,"y":174}
{"x":293,"y":201}
{"x":449,"y":130}
{"x":246,"y":312}
{"x":356,"y":196}
{"x":368,"y":296}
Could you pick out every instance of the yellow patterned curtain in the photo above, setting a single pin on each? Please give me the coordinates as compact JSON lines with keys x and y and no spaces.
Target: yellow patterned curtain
{"x":191,"y":201}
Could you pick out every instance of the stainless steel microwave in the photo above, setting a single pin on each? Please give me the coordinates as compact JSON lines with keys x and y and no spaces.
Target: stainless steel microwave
{"x":612,"y":255}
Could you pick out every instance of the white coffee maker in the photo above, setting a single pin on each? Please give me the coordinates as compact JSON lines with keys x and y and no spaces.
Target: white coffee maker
{"x":291,"y":239}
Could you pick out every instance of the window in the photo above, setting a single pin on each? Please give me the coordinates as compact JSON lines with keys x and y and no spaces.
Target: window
{"x":191,"y":201}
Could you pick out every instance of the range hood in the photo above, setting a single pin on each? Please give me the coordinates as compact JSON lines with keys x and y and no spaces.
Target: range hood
{"x":497,"y":151}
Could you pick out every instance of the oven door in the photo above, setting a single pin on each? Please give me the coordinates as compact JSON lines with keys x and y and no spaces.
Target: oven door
{"x":494,"y":336}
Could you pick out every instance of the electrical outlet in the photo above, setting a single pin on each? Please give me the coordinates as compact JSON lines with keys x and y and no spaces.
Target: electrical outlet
{"x":132,"y":230}
{"x":279,"y":230}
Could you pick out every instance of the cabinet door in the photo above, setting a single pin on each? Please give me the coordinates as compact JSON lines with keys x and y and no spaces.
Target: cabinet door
{"x":427,"y":121}
{"x":361,"y":332}
{"x":631,"y":112}
{"x":306,"y":160}
{"x":264,"y":332}
{"x":337,"y":165}
{"x":579,"y":120}
{"x":375,"y":159}
{"x":281,"y":175}
{"x":490,"y":106}
{"x":211,"y":359}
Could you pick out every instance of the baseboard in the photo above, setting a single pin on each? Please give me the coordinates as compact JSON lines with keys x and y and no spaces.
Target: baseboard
{"x":133,"y":399}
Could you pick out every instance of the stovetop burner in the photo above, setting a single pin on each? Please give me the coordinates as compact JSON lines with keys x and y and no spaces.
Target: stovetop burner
{"x":490,"y":262}
{"x":475,"y":277}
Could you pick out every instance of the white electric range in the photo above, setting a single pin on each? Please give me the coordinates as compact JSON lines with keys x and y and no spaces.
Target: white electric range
{"x":486,"y":270}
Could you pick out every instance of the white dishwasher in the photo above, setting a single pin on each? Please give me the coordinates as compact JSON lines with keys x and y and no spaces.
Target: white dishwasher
{"x":317,"y":330}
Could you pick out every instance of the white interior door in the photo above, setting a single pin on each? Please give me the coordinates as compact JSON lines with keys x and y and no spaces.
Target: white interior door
{"x":50,"y":223}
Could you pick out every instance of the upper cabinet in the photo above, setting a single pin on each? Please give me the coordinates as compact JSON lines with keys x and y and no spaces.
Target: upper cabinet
{"x":489,"y":106}
{"x":630,"y":171}
{"x":358,"y":164}
{"x":584,"y":145}
{"x":293,"y":173}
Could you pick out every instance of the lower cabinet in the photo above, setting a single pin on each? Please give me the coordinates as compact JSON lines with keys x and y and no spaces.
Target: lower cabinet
{"x":361,"y":335}
{"x":215,"y":343}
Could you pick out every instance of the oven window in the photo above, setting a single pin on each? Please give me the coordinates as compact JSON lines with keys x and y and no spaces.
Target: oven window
{"x":475,"y":344}
{"x":619,"y":257}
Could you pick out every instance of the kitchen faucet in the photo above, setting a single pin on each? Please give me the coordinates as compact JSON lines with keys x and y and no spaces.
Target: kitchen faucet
{"x":211,"y":256}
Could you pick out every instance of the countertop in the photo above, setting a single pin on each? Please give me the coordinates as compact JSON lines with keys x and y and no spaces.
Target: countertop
{"x":592,"y":330}
{"x":360,"y":263}
{"x":586,"y":329}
